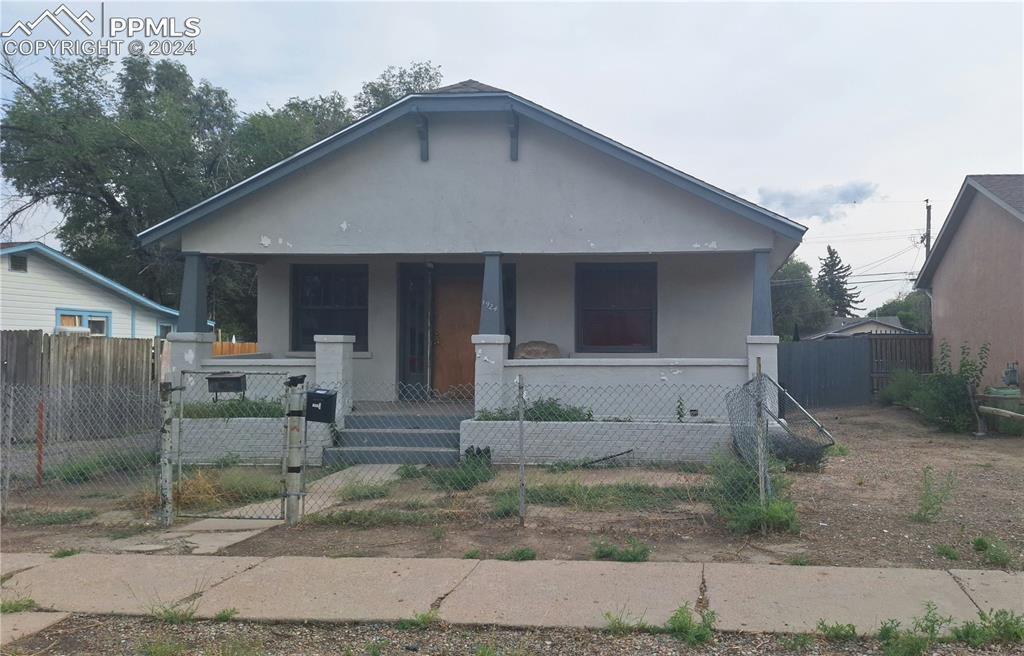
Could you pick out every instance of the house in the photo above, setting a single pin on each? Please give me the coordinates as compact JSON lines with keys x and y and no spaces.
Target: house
{"x":974,"y":272}
{"x":416,"y":248}
{"x":43,"y":289}
{"x":840,"y":327}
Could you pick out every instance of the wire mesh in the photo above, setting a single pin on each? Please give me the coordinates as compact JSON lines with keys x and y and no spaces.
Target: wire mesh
{"x":73,"y":453}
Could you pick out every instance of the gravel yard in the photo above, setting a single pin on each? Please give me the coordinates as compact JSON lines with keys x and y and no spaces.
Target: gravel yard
{"x":85,"y":635}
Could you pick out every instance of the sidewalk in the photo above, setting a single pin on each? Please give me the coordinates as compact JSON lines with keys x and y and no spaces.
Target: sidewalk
{"x":762,"y":598}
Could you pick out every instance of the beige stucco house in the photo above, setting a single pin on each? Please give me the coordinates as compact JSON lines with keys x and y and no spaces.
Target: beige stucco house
{"x":975,"y":271}
{"x":840,"y":327}
{"x":417,"y":247}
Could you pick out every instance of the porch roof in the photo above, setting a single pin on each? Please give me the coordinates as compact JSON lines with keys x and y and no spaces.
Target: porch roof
{"x":471,"y":96}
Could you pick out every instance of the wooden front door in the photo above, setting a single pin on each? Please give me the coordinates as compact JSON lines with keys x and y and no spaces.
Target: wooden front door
{"x":456,"y":318}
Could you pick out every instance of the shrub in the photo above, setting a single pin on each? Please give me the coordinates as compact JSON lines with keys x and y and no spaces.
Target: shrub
{"x":901,"y":387}
{"x":932,"y":496}
{"x":208,"y":489}
{"x":550,"y":409}
{"x":942,"y":397}
{"x":233,"y":408}
{"x":635,"y":551}
{"x":1002,"y":627}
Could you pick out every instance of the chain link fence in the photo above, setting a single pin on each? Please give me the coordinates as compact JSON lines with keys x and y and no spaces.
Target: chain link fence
{"x":242,"y":445}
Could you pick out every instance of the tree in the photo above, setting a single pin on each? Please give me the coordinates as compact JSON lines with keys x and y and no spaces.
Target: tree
{"x":394,"y":83}
{"x":797,"y":307}
{"x":913,"y":309}
{"x":118,"y":152}
{"x":833,"y":284}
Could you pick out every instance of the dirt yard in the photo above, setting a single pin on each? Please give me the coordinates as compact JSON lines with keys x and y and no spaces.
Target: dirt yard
{"x":857,"y":512}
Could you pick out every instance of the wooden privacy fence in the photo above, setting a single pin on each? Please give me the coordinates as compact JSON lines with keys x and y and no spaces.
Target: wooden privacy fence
{"x":891,"y":353}
{"x":233,"y":348}
{"x":849,"y":371}
{"x":69,"y":387}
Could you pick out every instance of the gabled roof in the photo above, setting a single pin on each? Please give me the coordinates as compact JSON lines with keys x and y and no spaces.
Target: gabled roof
{"x":838,"y":325}
{"x":1005,"y":190}
{"x":12,"y":248}
{"x":473,"y":96}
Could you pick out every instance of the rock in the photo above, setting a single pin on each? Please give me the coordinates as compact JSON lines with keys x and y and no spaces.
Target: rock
{"x":535,"y":350}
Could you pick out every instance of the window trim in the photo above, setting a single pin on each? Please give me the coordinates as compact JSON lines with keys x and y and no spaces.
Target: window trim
{"x":651,"y":267}
{"x":85,"y":315}
{"x":10,"y":263}
{"x":161,"y":324}
{"x":293,"y":302}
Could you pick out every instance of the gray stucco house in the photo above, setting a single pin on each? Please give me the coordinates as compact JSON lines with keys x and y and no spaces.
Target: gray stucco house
{"x":417,"y":247}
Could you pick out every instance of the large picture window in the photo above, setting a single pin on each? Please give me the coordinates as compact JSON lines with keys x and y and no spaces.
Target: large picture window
{"x":616,"y":308}
{"x":329,"y":300}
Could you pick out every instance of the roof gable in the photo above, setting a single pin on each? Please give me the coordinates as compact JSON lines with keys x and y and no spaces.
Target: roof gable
{"x":1005,"y":190}
{"x":472,"y":96}
{"x":43,"y":250}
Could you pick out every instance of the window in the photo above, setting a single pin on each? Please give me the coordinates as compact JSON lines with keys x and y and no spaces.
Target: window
{"x":616,"y":308}
{"x":329,"y":300}
{"x":97,"y":321}
{"x":19,"y":263}
{"x":163,"y":330}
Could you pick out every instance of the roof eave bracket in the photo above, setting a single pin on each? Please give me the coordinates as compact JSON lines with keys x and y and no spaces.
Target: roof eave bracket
{"x":513,"y":134}
{"x":423,"y":130}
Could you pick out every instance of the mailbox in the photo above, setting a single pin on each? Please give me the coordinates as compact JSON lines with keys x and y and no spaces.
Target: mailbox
{"x":320,"y":405}
{"x":225,"y":383}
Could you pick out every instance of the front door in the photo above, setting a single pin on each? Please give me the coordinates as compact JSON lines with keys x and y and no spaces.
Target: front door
{"x":456,"y":295}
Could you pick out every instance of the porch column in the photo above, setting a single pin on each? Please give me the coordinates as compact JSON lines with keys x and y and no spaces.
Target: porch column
{"x":334,"y":368}
{"x":489,"y":374}
{"x":192,"y":313}
{"x":761,"y":311}
{"x":492,"y":306}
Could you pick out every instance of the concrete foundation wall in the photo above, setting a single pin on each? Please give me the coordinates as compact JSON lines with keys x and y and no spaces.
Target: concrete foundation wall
{"x":253,"y":440}
{"x":551,"y":442}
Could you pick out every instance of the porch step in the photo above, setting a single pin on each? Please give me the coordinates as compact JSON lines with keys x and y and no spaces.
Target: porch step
{"x":390,"y":455}
{"x":359,"y":420}
{"x":398,"y":437}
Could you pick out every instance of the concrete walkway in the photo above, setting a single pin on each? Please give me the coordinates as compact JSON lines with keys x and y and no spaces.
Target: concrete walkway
{"x":761,"y":598}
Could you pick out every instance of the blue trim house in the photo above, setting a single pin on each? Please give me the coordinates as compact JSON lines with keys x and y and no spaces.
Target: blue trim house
{"x":43,"y":289}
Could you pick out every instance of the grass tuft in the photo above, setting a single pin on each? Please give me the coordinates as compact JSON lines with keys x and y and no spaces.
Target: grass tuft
{"x":225,"y":615}
{"x":233,"y":408}
{"x":176,"y":613}
{"x":635,"y":551}
{"x":519,"y":554}
{"x":406,"y":471}
{"x":65,"y":553}
{"x":797,"y":642}
{"x":472,"y":554}
{"x":993,"y":550}
{"x":212,"y":488}
{"x":620,"y":624}
{"x":357,"y":491}
{"x":102,"y":464}
{"x":947,"y":552}
{"x":683,"y":626}
{"x":613,"y":496}
{"x":372,"y":518}
{"x":836,"y":632}
{"x":419,"y":621}
{"x":837,"y":450}
{"x":21,"y":605}
{"x":161,"y":648}
{"x":469,"y":473}
{"x":48,"y":518}
{"x":798,"y":560}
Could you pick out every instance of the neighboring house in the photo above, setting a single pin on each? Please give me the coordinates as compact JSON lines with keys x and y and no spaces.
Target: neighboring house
{"x":450,"y":226}
{"x":975,"y":273}
{"x":839,"y":327}
{"x":42,"y":289}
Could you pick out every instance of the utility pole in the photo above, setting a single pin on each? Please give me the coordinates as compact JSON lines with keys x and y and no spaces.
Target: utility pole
{"x":927,"y":238}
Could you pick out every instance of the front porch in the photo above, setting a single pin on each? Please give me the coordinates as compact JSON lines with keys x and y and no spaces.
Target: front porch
{"x":422,"y":327}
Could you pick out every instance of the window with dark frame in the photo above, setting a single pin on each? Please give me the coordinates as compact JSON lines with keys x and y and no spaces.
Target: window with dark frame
{"x":617,"y":308}
{"x":329,"y":299}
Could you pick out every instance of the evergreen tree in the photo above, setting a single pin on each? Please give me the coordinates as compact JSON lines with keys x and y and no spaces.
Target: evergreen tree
{"x":833,"y":284}
{"x":795,"y":301}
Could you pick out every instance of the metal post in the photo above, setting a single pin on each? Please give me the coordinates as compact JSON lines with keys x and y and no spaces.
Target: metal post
{"x":521,"y":403}
{"x":5,"y":463}
{"x":166,"y":453}
{"x":40,"y":414}
{"x":762,"y":428}
{"x":296,"y":427}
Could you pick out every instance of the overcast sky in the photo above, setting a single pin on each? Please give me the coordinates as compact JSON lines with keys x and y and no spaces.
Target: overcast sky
{"x":844,"y":117}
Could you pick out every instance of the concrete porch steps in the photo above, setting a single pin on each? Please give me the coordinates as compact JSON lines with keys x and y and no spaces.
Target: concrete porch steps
{"x":391,"y":455}
{"x":391,"y":437}
{"x":435,"y":422}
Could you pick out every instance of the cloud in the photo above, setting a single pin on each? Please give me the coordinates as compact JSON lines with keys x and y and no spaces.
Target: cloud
{"x":828,"y":203}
